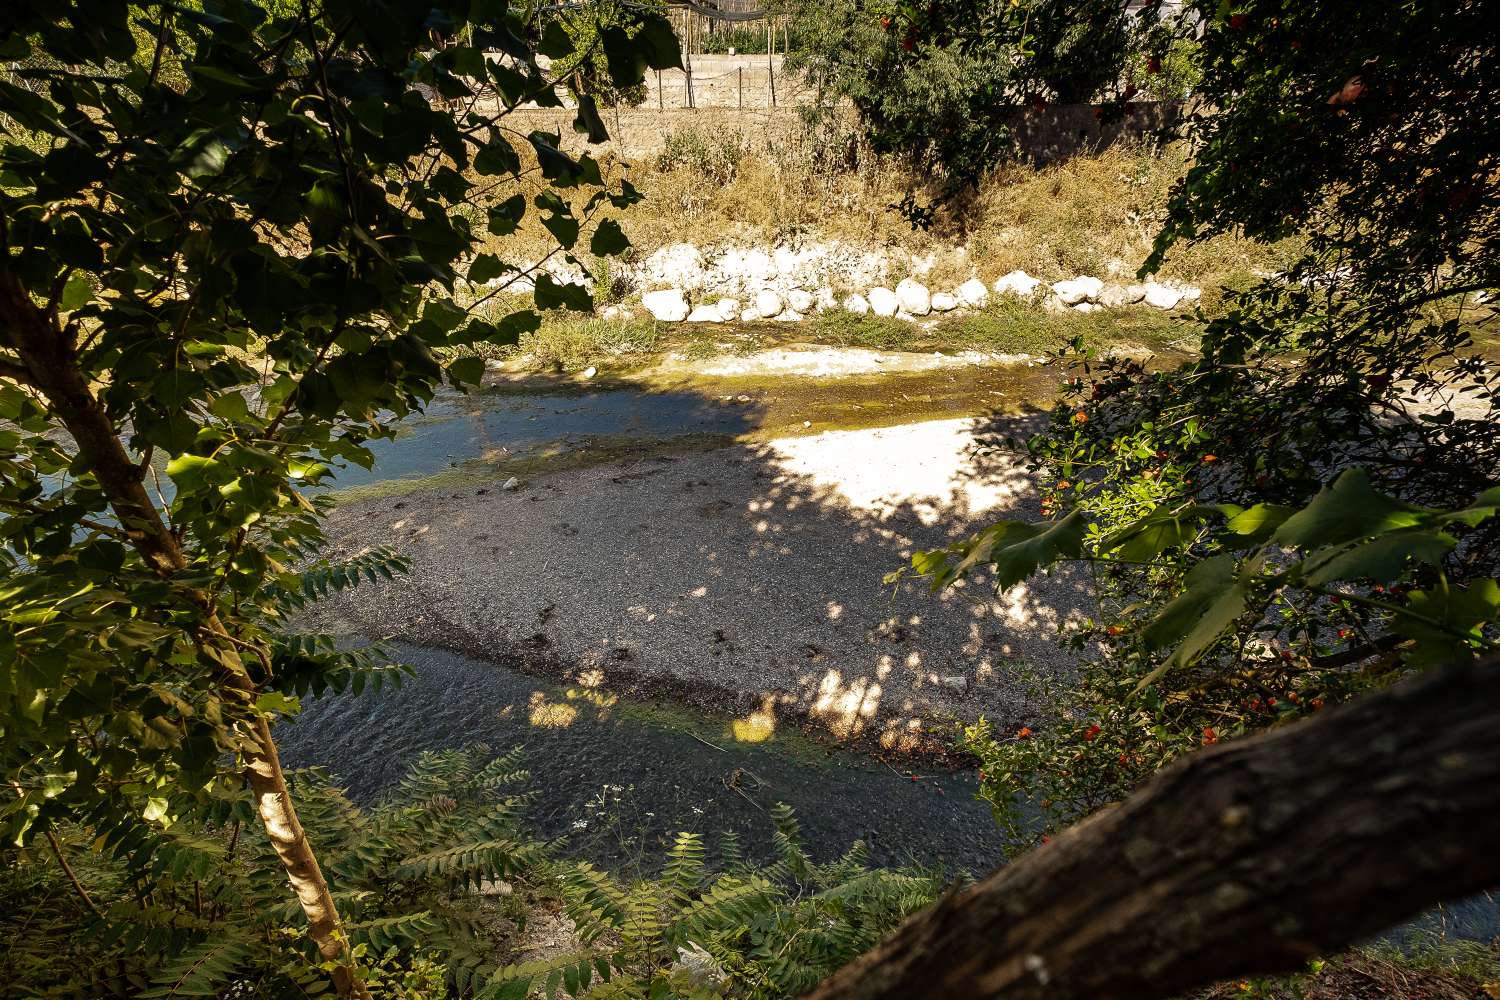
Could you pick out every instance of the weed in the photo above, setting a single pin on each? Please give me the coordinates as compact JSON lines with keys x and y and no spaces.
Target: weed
{"x":571,"y":343}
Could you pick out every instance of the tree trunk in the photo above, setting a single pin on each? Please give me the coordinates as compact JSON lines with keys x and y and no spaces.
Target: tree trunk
{"x":52,"y":369}
{"x":1245,"y":858}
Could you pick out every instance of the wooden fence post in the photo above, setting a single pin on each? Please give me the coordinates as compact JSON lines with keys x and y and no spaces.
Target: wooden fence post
{"x":770,"y":68}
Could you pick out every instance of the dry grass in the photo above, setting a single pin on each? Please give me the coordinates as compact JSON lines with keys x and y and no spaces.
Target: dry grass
{"x":1451,"y":971}
{"x":796,"y":182}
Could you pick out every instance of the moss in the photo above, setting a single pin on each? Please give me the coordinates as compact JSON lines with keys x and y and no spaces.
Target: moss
{"x":600,"y":449}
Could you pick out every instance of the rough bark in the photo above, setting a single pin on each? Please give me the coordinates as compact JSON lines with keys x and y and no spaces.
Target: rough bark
{"x":52,"y":368}
{"x":1246,"y":858}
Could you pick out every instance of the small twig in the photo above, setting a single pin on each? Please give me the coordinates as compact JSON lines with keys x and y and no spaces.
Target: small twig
{"x":706,"y":743}
{"x":68,"y":870}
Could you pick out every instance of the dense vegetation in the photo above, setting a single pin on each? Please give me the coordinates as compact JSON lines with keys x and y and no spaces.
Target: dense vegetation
{"x":229,"y":254}
{"x":240,"y":240}
{"x":1362,"y":133}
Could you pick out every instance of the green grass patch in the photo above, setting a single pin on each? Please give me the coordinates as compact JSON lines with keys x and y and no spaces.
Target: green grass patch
{"x":1009,"y":327}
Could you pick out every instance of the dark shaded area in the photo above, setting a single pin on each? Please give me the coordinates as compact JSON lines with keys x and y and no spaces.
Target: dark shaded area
{"x":669,"y":778}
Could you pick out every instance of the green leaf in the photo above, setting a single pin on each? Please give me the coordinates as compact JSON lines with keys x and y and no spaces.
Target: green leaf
{"x":552,"y":294}
{"x":466,"y":371}
{"x":485,"y":267}
{"x":1203,"y":586}
{"x":1382,"y":559}
{"x":555,"y":42}
{"x":274,"y":702}
{"x":588,"y":122}
{"x":1451,"y":621}
{"x":627,"y":62}
{"x":78,"y":292}
{"x":658,"y":43}
{"x":1347,"y":510}
{"x":506,"y":216}
{"x":191,"y":472}
{"x":1258,"y":523}
{"x":608,"y":239}
{"x":1152,"y":535}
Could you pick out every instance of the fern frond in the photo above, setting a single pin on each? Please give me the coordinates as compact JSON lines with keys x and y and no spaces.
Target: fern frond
{"x":313,"y":664}
{"x":593,"y":900}
{"x":203,"y":971}
{"x":401,"y":930}
{"x":325,"y":576}
{"x":731,"y":901}
{"x":471,"y":863}
{"x":683,"y":871}
{"x":787,"y":839}
{"x":573,"y":972}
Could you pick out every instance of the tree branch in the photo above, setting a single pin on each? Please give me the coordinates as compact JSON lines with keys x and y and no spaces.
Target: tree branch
{"x":1246,"y":858}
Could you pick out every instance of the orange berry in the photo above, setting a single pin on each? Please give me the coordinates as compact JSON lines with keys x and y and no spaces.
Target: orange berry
{"x":1023,"y":732}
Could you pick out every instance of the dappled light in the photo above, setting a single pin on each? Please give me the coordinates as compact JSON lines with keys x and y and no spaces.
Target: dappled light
{"x":694,"y":570}
{"x":757,"y":727}
{"x":546,"y":714}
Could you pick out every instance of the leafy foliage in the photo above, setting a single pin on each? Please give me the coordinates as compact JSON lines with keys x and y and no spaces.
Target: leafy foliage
{"x":198,"y":906}
{"x":741,"y":931}
{"x":238,"y":241}
{"x":197,"y":909}
{"x":1243,"y":617}
{"x":1303,"y":512}
{"x":942,"y":84}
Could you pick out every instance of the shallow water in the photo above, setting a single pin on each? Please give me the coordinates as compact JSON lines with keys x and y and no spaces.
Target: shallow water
{"x":668,"y":777}
{"x":455,"y":429}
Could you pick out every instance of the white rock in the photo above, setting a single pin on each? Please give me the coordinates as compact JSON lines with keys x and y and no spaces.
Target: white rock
{"x":1053,"y":304}
{"x":1087,"y":307}
{"x":943,"y":302}
{"x":883,"y":302}
{"x":511,"y":485}
{"x":789,"y":316}
{"x":590,"y":372}
{"x":705,"y":314}
{"x":1134,"y":294}
{"x":914,"y":297}
{"x":1016,"y":283}
{"x":1113,"y":297}
{"x":679,"y":265}
{"x":749,"y":315}
{"x":610,"y":312}
{"x":767,"y":303}
{"x":799,"y":300}
{"x":729,"y":310}
{"x":1082,"y":289}
{"x":699,"y":968}
{"x":955,"y":682}
{"x":857,"y":304}
{"x":824,"y":299}
{"x":669,"y":306}
{"x":1162,"y":296}
{"x":972,"y":294}
{"x":1191,"y":293}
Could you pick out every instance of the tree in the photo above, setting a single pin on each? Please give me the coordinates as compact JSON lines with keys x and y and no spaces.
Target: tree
{"x":229,"y":257}
{"x":926,"y":91}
